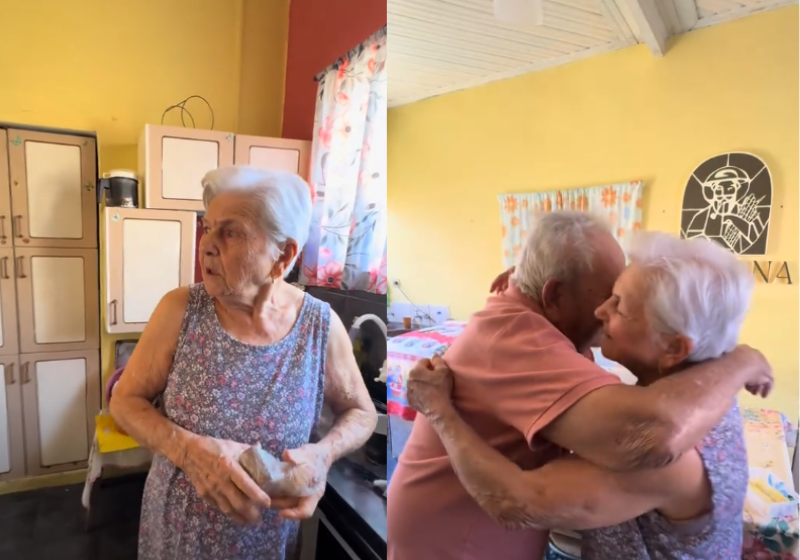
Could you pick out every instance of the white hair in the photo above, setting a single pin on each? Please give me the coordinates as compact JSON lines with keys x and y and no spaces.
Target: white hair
{"x":557,"y":247}
{"x":697,"y":289}
{"x":283,"y":200}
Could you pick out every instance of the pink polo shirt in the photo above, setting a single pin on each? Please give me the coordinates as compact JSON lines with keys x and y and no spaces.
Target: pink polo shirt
{"x":515,"y":373}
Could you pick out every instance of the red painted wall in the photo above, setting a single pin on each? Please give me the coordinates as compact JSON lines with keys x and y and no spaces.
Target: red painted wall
{"x":320,"y":31}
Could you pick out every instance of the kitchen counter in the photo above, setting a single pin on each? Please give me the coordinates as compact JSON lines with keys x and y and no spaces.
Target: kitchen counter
{"x":357,"y":508}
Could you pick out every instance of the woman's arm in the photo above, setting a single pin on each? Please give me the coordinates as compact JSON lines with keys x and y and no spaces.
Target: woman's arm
{"x":355,"y":420}
{"x":629,"y":428}
{"x":145,"y":378}
{"x":346,"y":395}
{"x":568,"y":493}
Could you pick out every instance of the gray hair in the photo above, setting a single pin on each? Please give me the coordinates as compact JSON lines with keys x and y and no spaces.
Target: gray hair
{"x":697,"y":289}
{"x":557,"y":248}
{"x":283,"y":200}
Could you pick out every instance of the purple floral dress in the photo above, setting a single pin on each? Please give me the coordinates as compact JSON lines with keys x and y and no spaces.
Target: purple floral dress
{"x":227,"y":389}
{"x":716,"y":536}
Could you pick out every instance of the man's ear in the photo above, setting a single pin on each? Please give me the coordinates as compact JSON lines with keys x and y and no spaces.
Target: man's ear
{"x":552,"y":292}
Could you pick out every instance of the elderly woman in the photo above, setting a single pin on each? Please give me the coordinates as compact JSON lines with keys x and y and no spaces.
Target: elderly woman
{"x":678,"y":303}
{"x":241,"y":359}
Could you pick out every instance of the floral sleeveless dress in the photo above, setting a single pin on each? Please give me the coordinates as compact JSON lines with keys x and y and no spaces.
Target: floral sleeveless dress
{"x":227,"y":389}
{"x":716,"y":536}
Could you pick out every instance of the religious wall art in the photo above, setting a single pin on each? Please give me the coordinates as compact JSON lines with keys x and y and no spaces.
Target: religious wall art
{"x":728,"y":199}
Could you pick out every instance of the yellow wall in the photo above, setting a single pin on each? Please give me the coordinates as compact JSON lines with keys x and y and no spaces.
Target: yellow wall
{"x":613,"y":118}
{"x":113,"y":66}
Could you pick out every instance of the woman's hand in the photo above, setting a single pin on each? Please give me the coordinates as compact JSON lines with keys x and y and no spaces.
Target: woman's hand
{"x":310,"y":465}
{"x":500,"y":284}
{"x":430,"y":386}
{"x":212,"y":466}
{"x":759,"y":378}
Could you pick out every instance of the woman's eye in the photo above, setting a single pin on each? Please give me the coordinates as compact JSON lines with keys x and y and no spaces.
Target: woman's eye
{"x":206,"y":229}
{"x":230,"y":233}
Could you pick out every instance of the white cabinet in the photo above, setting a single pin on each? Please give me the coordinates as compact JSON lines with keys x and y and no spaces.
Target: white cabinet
{"x":49,"y":301}
{"x":52,"y":190}
{"x":57,"y":294}
{"x":173,"y":161}
{"x":9,"y":342}
{"x":276,"y":154}
{"x":61,"y":396}
{"x":148,"y":253}
{"x":12,"y":444}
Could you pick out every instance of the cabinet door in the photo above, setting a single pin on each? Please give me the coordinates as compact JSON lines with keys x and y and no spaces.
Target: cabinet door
{"x":173,"y":161}
{"x":275,"y":154}
{"x":58,"y":301}
{"x":12,"y":443}
{"x":9,"y":343}
{"x":61,"y":397}
{"x":148,"y":253}
{"x":53,"y":189}
{"x":5,"y":192}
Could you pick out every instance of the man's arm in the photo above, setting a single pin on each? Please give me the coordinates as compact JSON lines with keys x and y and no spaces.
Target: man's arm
{"x":568,"y":493}
{"x":620,"y":427}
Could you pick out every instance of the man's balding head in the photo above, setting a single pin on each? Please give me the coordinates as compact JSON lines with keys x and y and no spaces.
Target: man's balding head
{"x":568,"y":266}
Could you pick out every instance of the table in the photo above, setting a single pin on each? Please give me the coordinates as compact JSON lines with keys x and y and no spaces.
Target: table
{"x":765,"y":438}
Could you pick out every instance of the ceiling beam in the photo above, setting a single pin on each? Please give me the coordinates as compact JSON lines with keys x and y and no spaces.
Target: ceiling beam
{"x":647,"y":20}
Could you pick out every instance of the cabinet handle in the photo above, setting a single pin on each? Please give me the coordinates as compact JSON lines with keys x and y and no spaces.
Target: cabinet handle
{"x":4,"y":268}
{"x":3,"y":236}
{"x":10,"y":375}
{"x":17,"y":226}
{"x":26,"y":378}
{"x":112,"y":311}
{"x":20,"y":271}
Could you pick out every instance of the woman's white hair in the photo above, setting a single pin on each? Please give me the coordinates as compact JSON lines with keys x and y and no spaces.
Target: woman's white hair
{"x":283,"y":202}
{"x":697,"y":289}
{"x":557,"y":247}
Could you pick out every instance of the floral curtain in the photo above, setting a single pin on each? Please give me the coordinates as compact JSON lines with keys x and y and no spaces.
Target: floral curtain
{"x":620,"y":205}
{"x":346,"y":248}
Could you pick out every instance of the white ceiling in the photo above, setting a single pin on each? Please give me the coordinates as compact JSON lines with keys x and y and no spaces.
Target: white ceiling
{"x":441,"y":46}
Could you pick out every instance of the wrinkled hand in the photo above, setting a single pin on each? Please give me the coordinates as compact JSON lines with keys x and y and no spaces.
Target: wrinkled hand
{"x":212,"y":466}
{"x":430,"y":386}
{"x":500,"y":284}
{"x":310,"y":465}
{"x":759,"y":378}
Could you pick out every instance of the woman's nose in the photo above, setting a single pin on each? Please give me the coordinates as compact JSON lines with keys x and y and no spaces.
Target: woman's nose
{"x":207,"y":246}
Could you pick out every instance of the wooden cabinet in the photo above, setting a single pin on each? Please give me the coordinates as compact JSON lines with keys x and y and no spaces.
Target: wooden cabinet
{"x":276,"y":154}
{"x":173,"y":161}
{"x":12,"y":445}
{"x":61,"y":396}
{"x":53,"y":198}
{"x":58,"y":303}
{"x":148,"y":253}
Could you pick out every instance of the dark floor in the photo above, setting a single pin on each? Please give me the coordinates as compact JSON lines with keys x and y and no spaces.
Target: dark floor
{"x":50,"y":524}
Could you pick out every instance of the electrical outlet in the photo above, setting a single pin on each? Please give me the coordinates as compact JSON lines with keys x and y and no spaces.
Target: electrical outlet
{"x":392,"y":316}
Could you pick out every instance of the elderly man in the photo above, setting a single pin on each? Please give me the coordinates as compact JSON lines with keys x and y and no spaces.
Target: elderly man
{"x":526,"y":389}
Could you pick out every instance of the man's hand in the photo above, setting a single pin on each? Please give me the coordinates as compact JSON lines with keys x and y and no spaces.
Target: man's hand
{"x":759,"y":378}
{"x":430,"y":386}
{"x":500,"y":284}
